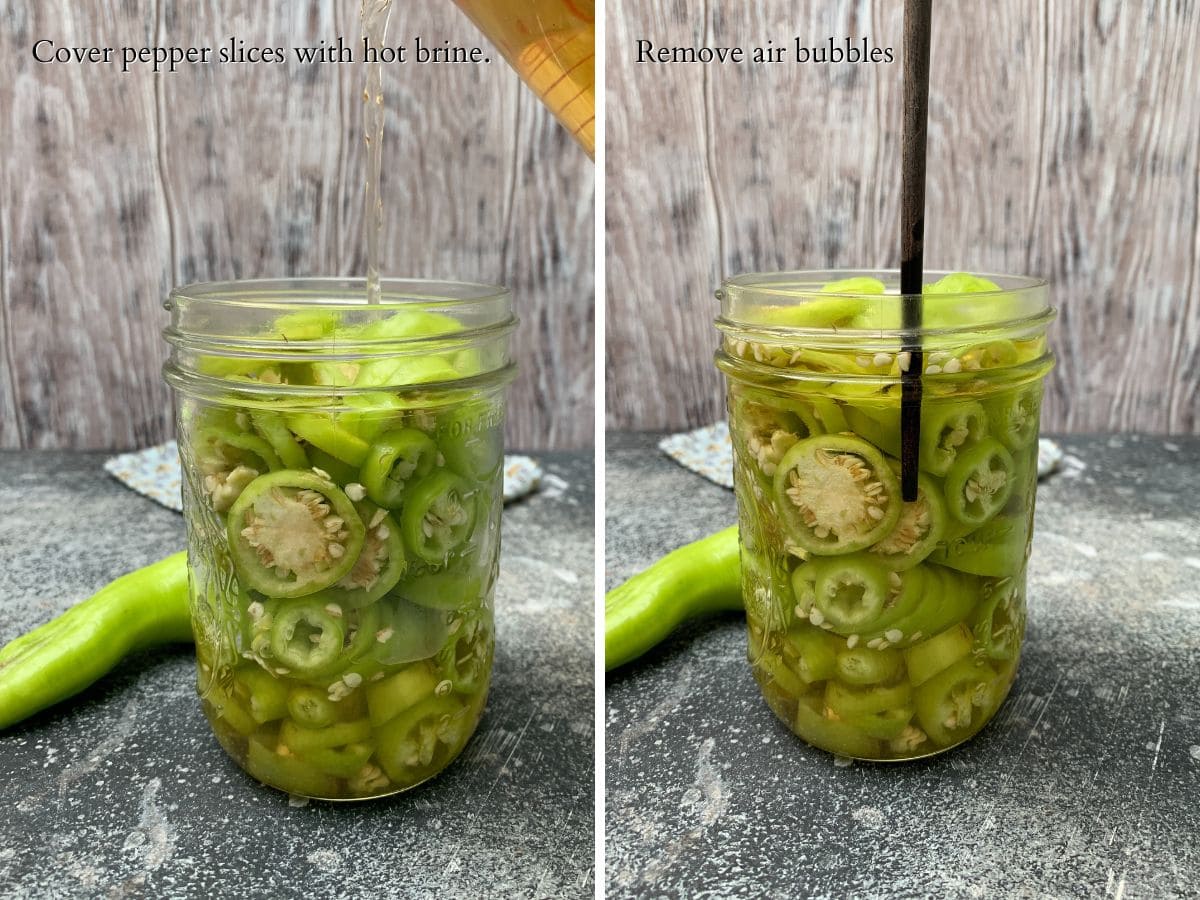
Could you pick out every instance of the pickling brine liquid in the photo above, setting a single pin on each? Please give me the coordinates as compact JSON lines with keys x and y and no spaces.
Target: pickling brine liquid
{"x":374,"y":15}
{"x":551,"y":44}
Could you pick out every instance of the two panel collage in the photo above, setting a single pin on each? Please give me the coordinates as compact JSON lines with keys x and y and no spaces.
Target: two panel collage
{"x":548,"y":449}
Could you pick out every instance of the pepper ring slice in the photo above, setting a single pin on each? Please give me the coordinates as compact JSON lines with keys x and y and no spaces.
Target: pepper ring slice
{"x":293,"y":533}
{"x":836,"y":494}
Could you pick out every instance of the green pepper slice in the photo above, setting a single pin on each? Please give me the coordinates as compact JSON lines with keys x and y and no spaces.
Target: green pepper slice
{"x":369,"y":415}
{"x":1014,"y":415}
{"x":388,"y":698}
{"x":360,"y":629}
{"x":438,"y":516}
{"x":407,"y":742}
{"x":862,"y":665}
{"x":804,"y":589}
{"x":362,"y":632}
{"x":776,"y":670}
{"x":999,"y":621}
{"x":829,"y":415}
{"x":229,"y":460}
{"x":266,"y":696}
{"x":306,"y":637}
{"x":765,"y":433}
{"x":880,"y":711}
{"x":408,"y":633}
{"x":465,"y":660}
{"x":946,"y":430}
{"x":321,"y":430}
{"x":829,"y":734}
{"x":877,"y":422}
{"x":815,"y":652}
{"x":997,"y":549}
{"x":955,"y":703}
{"x":886,"y":724}
{"x":980,"y":482}
{"x":380,"y":564}
{"x":824,"y":312}
{"x":918,"y":531}
{"x":908,"y":590}
{"x":947,"y":598}
{"x":228,"y":709}
{"x":338,"y":471}
{"x":456,"y":585}
{"x":398,"y":371}
{"x":341,"y":762}
{"x":275,"y":432}
{"x":311,"y":707}
{"x":395,"y":461}
{"x":307,"y":325}
{"x":836,"y":494}
{"x":850,"y":593}
{"x":470,"y":440}
{"x":989,"y":355}
{"x":926,"y":659}
{"x":299,"y":739}
{"x":293,"y":533}
{"x":288,"y":772}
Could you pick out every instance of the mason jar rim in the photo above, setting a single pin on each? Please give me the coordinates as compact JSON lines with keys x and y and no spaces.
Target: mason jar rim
{"x":232,"y":320}
{"x":746,"y":323}
{"x":745,"y":292}
{"x":756,"y":280}
{"x":355,"y":289}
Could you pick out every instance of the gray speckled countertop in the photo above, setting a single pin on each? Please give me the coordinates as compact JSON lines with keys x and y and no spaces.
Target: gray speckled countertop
{"x":124,"y":791}
{"x":1086,"y":784}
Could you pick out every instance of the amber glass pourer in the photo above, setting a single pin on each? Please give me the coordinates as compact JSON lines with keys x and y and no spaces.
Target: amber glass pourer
{"x":552,"y":45}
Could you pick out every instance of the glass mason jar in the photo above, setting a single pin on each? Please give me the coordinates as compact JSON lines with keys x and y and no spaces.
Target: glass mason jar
{"x":342,"y":469}
{"x":880,"y":629}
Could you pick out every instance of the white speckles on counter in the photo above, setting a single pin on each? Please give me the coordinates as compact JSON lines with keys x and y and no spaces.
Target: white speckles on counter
{"x":868,"y":817}
{"x":325,"y":860}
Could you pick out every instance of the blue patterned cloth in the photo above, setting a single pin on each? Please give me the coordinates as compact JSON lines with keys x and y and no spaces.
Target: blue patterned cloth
{"x":708,"y":452}
{"x":154,"y":473}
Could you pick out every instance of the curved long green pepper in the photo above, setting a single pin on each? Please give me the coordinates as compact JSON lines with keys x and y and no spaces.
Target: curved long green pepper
{"x":58,"y":660}
{"x":698,"y":579}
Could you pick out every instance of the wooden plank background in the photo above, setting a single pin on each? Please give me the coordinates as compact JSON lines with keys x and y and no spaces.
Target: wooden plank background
{"x":114,"y":187}
{"x":1064,"y":142}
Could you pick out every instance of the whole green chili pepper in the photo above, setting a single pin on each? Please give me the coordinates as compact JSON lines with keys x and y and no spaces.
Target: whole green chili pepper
{"x":58,"y":660}
{"x":697,"y":579}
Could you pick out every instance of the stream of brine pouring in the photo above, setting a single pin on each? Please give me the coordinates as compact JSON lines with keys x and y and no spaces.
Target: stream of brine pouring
{"x":375,"y":15}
